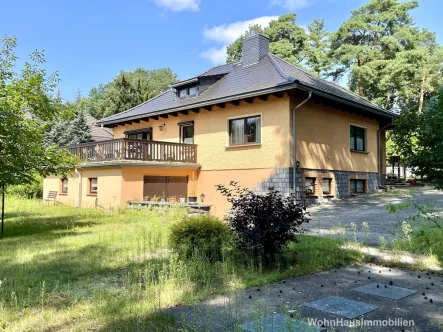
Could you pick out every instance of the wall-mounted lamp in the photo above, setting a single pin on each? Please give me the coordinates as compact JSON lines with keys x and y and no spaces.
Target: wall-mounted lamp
{"x":297,"y":164}
{"x":161,"y":127}
{"x":202,"y":197}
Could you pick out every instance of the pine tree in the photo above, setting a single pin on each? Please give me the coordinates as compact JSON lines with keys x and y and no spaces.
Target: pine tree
{"x":318,"y":56}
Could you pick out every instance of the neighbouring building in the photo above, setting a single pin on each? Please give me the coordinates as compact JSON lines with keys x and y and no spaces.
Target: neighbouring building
{"x":238,"y":122}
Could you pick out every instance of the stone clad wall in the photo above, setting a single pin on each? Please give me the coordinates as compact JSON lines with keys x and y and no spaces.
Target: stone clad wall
{"x":282,"y":181}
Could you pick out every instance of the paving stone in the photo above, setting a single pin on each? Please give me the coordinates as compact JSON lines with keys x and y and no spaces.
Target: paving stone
{"x":279,"y":323}
{"x":390,"y":292}
{"x":342,"y":307}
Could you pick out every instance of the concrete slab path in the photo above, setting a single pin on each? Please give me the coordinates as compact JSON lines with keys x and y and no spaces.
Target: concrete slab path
{"x":227,"y":313}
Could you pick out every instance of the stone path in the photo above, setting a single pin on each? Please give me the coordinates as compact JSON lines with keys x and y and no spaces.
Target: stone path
{"x":330,"y":218}
{"x":228,"y":313}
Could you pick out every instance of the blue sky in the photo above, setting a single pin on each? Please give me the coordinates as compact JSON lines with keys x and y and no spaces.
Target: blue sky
{"x":89,"y":42}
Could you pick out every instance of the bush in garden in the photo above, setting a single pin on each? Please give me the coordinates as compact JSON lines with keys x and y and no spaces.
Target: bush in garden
{"x":265,"y":223}
{"x":205,"y":235}
{"x":32,"y":189}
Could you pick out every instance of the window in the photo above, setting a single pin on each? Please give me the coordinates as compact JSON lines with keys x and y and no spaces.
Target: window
{"x":358,"y":139}
{"x":187,"y":134}
{"x":326,"y":185}
{"x":64,"y":186}
{"x":93,"y":186}
{"x":145,"y":134}
{"x":357,"y":186}
{"x":188,"y":92}
{"x":245,"y":130}
{"x":310,"y":185}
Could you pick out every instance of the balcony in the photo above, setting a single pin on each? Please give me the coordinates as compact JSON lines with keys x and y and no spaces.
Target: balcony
{"x":124,"y":149}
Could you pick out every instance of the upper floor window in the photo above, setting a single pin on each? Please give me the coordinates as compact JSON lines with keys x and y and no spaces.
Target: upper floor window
{"x":144,"y":134}
{"x":187,"y":134}
{"x":358,"y":138}
{"x":187,"y":92}
{"x":245,"y":130}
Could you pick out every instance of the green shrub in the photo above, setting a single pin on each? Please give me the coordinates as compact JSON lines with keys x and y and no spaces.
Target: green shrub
{"x":33,"y":189}
{"x":203,"y":235}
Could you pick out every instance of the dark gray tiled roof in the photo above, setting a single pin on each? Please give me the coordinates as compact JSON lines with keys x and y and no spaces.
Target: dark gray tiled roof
{"x":271,"y":73}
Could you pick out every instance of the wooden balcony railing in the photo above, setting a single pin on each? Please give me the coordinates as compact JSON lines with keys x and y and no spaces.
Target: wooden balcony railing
{"x":133,"y":149}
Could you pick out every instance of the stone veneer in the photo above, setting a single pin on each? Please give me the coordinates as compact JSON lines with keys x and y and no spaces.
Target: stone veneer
{"x":282,"y":181}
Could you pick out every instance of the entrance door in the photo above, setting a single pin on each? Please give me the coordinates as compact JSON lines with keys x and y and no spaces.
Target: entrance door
{"x":168,"y":186}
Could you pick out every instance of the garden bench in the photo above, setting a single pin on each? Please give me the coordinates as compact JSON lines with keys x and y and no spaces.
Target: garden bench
{"x":52,"y":195}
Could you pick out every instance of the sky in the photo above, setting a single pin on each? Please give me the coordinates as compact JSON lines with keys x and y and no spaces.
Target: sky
{"x":89,"y":42}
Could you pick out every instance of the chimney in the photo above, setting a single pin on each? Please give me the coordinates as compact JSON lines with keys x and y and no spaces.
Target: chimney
{"x":255,"y":48}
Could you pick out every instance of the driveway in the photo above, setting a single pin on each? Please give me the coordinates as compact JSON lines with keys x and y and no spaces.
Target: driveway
{"x":330,"y":218}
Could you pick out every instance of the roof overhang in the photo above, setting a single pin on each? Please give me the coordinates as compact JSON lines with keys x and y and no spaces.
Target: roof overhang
{"x":293,"y":84}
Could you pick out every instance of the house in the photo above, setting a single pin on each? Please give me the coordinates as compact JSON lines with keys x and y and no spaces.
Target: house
{"x":237,"y":121}
{"x":98,"y":133}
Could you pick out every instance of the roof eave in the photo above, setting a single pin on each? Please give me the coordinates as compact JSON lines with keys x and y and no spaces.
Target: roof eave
{"x":204,"y":103}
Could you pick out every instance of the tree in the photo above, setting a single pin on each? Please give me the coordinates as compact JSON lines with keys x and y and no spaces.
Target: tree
{"x":25,"y":106}
{"x":364,"y":45}
{"x":419,"y":136}
{"x":127,"y":90}
{"x":286,"y":40}
{"x":418,"y":67}
{"x":318,"y":56}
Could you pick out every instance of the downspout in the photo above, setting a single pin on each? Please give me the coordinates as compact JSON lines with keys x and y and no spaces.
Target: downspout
{"x":379,"y":154}
{"x":79,"y":204}
{"x":294,"y":143}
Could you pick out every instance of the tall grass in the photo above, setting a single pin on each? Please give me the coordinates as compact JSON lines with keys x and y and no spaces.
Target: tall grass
{"x":63,"y":268}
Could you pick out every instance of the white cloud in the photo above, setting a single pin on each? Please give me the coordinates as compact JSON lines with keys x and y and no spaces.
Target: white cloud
{"x":292,"y":4}
{"x":216,"y":55}
{"x":226,"y":34}
{"x":179,"y":5}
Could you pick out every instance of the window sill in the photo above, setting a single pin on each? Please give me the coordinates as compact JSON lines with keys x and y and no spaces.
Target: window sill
{"x":63,"y":194}
{"x":328,"y":196}
{"x":357,"y":151}
{"x":242,"y":145}
{"x":91,"y":194}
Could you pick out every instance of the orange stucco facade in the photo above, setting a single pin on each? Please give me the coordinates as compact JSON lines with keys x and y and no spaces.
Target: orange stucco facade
{"x":322,"y":143}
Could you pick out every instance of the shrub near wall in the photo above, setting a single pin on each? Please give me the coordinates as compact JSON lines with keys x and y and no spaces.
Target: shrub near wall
{"x":201,"y":235}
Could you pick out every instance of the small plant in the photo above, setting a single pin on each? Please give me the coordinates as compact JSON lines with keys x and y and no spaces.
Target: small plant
{"x":264,"y":223}
{"x":383,"y":242}
{"x":354,"y":231}
{"x":202,"y":235}
{"x":365,"y":228}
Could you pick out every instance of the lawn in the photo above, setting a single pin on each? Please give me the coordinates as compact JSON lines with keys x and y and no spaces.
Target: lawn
{"x":81,"y":269}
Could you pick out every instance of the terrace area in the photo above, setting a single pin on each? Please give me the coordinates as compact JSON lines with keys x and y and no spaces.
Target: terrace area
{"x":124,"y":149}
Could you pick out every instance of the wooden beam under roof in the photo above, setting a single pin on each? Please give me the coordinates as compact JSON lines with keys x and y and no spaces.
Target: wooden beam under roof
{"x":221,"y":105}
{"x":195,"y":110}
{"x":278,"y":94}
{"x":184,"y":112}
{"x":174,"y":114}
{"x":208,"y":108}
{"x":155,"y":117}
{"x":249,"y":100}
{"x":235,"y":102}
{"x":263,"y":97}
{"x":164,"y":116}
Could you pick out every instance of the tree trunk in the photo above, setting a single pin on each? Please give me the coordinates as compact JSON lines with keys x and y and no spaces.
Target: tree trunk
{"x":422,"y":88}
{"x":360,"y":88}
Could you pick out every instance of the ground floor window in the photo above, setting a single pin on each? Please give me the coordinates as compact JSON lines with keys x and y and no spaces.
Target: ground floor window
{"x":310,"y":185}
{"x":326,"y":186}
{"x":64,"y":183}
{"x":357,"y":186}
{"x":93,"y":186}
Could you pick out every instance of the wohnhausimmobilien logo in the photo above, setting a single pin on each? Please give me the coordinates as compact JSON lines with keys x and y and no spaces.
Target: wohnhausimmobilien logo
{"x":339,"y":322}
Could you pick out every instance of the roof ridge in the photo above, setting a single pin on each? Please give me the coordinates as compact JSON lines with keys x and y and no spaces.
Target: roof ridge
{"x":279,"y":70}
{"x":326,"y":81}
{"x":160,"y":94}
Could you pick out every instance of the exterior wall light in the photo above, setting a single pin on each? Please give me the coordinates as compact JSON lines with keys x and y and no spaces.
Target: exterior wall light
{"x":202,"y":197}
{"x":161,"y":127}
{"x":297,"y":164}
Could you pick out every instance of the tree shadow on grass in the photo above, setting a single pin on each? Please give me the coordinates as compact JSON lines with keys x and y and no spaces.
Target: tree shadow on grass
{"x":41,"y":224}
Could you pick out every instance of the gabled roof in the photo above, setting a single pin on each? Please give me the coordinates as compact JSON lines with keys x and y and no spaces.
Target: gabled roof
{"x":270,"y":74}
{"x":98,"y":133}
